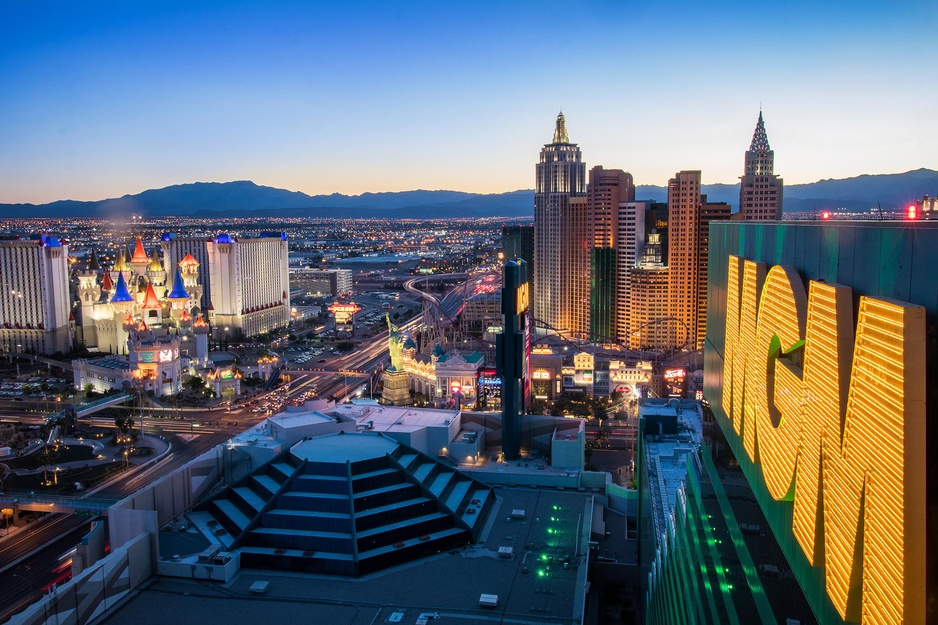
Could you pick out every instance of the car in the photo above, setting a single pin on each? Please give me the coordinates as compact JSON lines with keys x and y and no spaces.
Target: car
{"x":321,"y":360}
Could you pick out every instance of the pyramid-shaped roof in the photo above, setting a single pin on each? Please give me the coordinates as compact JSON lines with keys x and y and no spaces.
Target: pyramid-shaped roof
{"x":150,"y":300}
{"x":332,"y":496}
{"x":155,"y":264}
{"x":121,"y":294}
{"x":140,"y":254}
{"x":179,"y":289}
{"x":93,"y":264}
{"x":106,"y":284}
{"x":189,"y":261}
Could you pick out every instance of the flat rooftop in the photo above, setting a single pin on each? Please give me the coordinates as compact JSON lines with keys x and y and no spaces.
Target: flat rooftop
{"x":395,"y":418}
{"x":533,"y":586}
{"x":299,"y":416}
{"x":666,"y":457}
{"x":337,"y":448}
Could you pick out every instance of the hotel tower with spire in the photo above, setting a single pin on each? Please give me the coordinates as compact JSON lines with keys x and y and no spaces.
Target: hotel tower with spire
{"x":560,"y":191}
{"x":760,"y":190}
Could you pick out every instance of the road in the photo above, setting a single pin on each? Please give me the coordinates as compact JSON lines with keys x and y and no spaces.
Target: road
{"x":22,"y":582}
{"x":203,"y":430}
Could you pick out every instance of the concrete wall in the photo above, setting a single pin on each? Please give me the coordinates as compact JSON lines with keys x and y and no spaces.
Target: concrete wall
{"x":624,"y":500}
{"x":171,"y":495}
{"x":567,"y":452}
{"x":96,"y":589}
{"x":541,"y":479}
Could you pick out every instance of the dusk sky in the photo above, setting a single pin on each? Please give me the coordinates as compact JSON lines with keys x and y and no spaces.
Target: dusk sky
{"x":104,"y":99}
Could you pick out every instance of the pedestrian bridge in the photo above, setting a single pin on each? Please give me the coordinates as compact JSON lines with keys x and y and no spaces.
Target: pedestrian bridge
{"x":56,"y":503}
{"x":91,"y":407}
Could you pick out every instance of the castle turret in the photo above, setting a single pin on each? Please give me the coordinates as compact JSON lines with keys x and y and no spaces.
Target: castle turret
{"x":89,"y":294}
{"x":189,"y":269}
{"x":178,"y":298}
{"x":152,"y":308}
{"x":201,"y":329}
{"x":156,"y":273}
{"x":139,"y":260}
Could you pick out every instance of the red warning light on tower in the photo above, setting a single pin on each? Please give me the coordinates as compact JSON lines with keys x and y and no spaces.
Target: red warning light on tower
{"x":911,"y":212}
{"x":825,"y":215}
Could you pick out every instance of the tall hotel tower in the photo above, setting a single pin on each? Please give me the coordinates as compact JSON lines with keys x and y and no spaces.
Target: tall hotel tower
{"x":689,"y":217}
{"x":608,"y":239}
{"x":250,"y":284}
{"x":760,"y":190}
{"x":34,"y":296}
{"x":561,"y":176}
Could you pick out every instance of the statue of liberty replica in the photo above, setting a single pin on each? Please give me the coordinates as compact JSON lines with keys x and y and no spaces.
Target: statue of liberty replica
{"x":396,"y":380}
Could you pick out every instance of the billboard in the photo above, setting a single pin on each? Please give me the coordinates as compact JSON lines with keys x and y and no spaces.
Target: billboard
{"x":675,"y":381}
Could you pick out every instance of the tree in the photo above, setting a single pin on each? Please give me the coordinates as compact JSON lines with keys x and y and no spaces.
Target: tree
{"x":88,"y":388}
{"x":600,"y":413}
{"x":195,"y":383}
{"x":124,"y":423}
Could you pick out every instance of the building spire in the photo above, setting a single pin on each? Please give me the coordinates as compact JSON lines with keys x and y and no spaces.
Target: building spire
{"x":760,"y":141}
{"x":560,"y":130}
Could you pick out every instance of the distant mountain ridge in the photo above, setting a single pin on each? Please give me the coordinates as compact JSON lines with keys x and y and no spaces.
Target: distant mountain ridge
{"x":244,"y":198}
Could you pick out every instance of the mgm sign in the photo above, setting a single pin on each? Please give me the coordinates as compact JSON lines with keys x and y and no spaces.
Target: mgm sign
{"x":834,"y":414}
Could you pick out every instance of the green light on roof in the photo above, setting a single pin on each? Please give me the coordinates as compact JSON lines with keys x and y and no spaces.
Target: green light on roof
{"x":541,"y":573}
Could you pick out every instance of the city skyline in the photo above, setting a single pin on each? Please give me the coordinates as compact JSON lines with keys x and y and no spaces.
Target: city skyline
{"x":111,"y":99}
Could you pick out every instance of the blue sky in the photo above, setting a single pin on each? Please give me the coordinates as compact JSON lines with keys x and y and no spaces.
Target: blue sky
{"x":102,"y":99}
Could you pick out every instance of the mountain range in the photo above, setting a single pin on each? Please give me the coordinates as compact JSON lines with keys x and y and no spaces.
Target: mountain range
{"x":244,"y":198}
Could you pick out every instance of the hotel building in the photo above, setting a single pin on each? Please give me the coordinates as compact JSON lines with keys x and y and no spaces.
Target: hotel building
{"x":560,"y":178}
{"x":812,"y":496}
{"x":34,"y":296}
{"x":760,"y":190}
{"x":250,"y":284}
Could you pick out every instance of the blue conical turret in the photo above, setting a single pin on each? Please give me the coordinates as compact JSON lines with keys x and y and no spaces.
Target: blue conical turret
{"x":121,"y":294}
{"x":179,"y":289}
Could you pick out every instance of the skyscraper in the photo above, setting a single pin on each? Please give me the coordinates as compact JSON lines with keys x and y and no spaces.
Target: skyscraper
{"x":34,"y":296}
{"x":760,"y":190}
{"x":607,"y":190}
{"x":709,"y":211}
{"x":560,"y":176}
{"x":648,"y":299}
{"x":689,"y":217}
{"x":250,"y":284}
{"x":683,"y":251}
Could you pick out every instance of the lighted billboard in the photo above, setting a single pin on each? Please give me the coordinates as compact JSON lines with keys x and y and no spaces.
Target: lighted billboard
{"x":675,"y":381}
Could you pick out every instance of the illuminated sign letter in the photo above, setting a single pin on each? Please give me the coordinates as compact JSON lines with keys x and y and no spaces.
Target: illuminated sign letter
{"x":844,"y":437}
{"x":874,"y":479}
{"x":827,"y":374}
{"x":521,"y":303}
{"x":780,"y":327}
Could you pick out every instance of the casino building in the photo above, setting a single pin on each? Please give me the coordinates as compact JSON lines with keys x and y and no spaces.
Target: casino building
{"x":813,"y":496}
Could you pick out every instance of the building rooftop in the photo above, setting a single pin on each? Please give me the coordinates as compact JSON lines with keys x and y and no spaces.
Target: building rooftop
{"x":111,"y":362}
{"x":395,"y":418}
{"x":299,"y":416}
{"x":666,"y":455}
{"x":533,"y":585}
{"x":339,"y":448}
